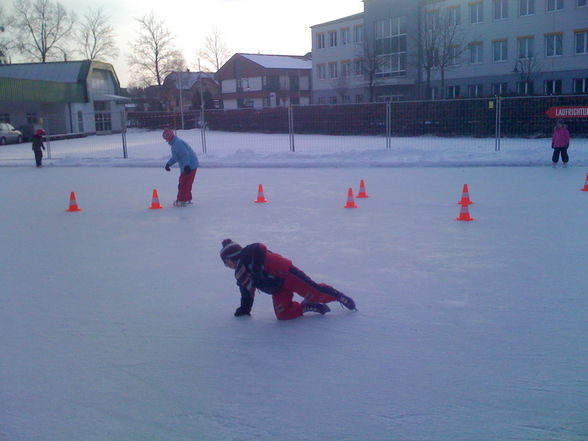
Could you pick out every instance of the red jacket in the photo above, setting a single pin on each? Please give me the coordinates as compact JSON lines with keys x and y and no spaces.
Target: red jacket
{"x":560,"y":138}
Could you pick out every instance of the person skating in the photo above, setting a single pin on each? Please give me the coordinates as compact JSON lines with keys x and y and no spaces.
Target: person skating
{"x":37,"y":146}
{"x":187,"y":160}
{"x":560,"y":141}
{"x":256,"y":267}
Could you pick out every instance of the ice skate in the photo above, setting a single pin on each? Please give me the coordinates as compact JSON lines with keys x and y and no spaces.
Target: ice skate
{"x":321,"y":308}
{"x":180,"y":204}
{"x":347,"y":302}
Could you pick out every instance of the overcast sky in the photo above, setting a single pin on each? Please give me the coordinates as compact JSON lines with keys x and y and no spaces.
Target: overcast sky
{"x":264,"y":26}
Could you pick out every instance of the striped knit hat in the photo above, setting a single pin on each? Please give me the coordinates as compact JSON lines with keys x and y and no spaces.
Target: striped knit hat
{"x":230,"y":249}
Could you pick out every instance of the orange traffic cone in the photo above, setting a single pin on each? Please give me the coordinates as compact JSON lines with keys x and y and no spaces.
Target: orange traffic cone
{"x":350,"y":202}
{"x":73,"y":205}
{"x":362,"y":193}
{"x":585,"y":188}
{"x":260,"y":197}
{"x":465,"y":196}
{"x":464,"y":214}
{"x":155,"y":205}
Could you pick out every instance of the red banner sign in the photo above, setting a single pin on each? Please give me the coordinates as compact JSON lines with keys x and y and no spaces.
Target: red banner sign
{"x":568,"y":112}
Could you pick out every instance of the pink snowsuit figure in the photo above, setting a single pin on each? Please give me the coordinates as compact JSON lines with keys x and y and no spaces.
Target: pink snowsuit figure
{"x":560,"y":141}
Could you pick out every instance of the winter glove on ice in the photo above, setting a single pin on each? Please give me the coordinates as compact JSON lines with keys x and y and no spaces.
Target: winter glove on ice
{"x":187,"y":169}
{"x":167,"y":168}
{"x":242,"y":311}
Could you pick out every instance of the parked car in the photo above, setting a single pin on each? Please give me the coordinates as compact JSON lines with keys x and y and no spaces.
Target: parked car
{"x":9,"y":134}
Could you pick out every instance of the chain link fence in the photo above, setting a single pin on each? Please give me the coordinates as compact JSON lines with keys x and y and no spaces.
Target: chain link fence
{"x":493,"y":122}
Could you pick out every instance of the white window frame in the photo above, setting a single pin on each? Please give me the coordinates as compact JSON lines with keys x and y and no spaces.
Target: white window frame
{"x":477,"y":55}
{"x":452,"y":92}
{"x":476,"y":12}
{"x":475,"y":90}
{"x":500,"y":8}
{"x":345,"y":36}
{"x":525,"y":48}
{"x":320,"y":40}
{"x":551,"y":86}
{"x":322,"y":71}
{"x":581,"y":42}
{"x":583,"y":82}
{"x":553,"y":45}
{"x":500,"y":88}
{"x":358,"y":34}
{"x":333,"y":70}
{"x":345,"y":69}
{"x":500,"y":51}
{"x":526,"y":7}
{"x":554,"y":5}
{"x":454,"y":15}
{"x":524,"y":87}
{"x":332,"y":38}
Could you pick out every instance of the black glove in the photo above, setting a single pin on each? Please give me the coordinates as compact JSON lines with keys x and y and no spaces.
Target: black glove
{"x":167,"y":168}
{"x":242,"y":311}
{"x":187,"y":169}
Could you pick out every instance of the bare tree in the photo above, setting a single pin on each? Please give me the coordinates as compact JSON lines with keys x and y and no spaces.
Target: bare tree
{"x":96,"y":36}
{"x":154,"y":54}
{"x":428,"y":46}
{"x":7,"y":42}
{"x":371,"y":63}
{"x":451,"y":46}
{"x":215,"y":52}
{"x":43,"y":28}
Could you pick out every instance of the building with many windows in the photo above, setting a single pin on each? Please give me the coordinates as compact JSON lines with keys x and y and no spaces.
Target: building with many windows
{"x":337,"y":61}
{"x":453,"y":48}
{"x":259,"y":80}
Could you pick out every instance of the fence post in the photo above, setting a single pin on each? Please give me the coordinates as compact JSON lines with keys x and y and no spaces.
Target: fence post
{"x":47,"y":136}
{"x":202,"y":129}
{"x":124,"y":133}
{"x":291,"y":127}
{"x":498,"y":128}
{"x":389,"y":125}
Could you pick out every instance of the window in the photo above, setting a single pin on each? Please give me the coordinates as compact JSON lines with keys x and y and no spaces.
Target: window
{"x":555,"y":5}
{"x":580,"y":85}
{"x":476,"y":52}
{"x":32,"y":118}
{"x":452,"y":92}
{"x":475,"y":90}
{"x":320,"y":40}
{"x":432,"y":19}
{"x":345,"y":36}
{"x":500,"y":9}
{"x":553,"y":45}
{"x":358,"y":66}
{"x":454,"y":15}
{"x":80,"y":121}
{"x":552,"y":87}
{"x":499,"y":88}
{"x":525,"y":47}
{"x":453,"y":53}
{"x":5,"y":117}
{"x":333,"y":71}
{"x":580,"y":3}
{"x":581,"y":38}
{"x":391,"y":47}
{"x":346,"y":69}
{"x":332,"y":100}
{"x":525,"y":88}
{"x":346,"y":99}
{"x":358,"y":33}
{"x":332,"y":38}
{"x":359,"y":99}
{"x":322,"y":71}
{"x":476,"y":12}
{"x":322,"y":100}
{"x":500,"y":50}
{"x":526,"y":7}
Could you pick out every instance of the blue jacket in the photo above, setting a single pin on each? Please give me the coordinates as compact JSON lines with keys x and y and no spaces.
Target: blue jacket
{"x":183,"y":154}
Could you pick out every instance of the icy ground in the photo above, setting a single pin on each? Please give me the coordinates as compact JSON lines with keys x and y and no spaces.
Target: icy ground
{"x":116,"y":323}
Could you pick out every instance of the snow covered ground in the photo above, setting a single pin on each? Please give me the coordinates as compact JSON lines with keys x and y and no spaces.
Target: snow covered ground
{"x":116,"y":322}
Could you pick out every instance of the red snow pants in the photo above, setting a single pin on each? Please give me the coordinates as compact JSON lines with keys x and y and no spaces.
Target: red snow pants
{"x":185,"y":186}
{"x":295,"y":281}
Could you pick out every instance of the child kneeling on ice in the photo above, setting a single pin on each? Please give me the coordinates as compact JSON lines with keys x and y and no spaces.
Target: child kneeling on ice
{"x":257,"y":267}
